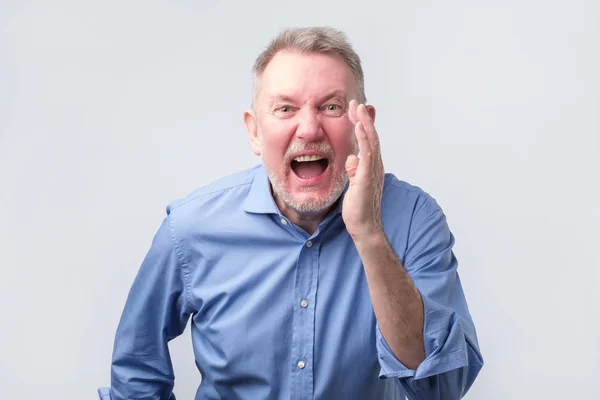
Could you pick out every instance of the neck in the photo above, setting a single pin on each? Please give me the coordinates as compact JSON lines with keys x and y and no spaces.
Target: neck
{"x":309,"y":221}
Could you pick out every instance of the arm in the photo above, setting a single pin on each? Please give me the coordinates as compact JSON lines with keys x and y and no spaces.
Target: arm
{"x":451,"y":359}
{"x":396,"y":301}
{"x":156,"y":311}
{"x":425,"y":335}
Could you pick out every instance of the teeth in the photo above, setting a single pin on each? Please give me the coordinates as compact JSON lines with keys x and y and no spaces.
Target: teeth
{"x":313,"y":157}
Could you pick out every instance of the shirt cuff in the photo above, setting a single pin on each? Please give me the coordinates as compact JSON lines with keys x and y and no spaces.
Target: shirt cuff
{"x":445,"y":346}
{"x":104,"y":393}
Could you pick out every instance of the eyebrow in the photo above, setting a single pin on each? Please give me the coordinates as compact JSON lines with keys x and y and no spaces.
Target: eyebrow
{"x":290,"y":99}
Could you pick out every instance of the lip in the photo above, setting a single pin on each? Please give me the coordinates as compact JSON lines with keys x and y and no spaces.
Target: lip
{"x":308,"y":153}
{"x":315,"y":180}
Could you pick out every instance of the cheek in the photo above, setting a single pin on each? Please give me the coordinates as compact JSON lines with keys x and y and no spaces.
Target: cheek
{"x":276,"y":139}
{"x":341,"y":136}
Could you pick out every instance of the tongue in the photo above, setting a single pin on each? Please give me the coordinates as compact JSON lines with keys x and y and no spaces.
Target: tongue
{"x":309,"y":169}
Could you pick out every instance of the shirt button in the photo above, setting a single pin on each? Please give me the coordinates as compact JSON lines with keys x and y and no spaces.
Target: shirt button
{"x":283,"y":221}
{"x":304,"y":303}
{"x":309,"y":244}
{"x":301,"y":364}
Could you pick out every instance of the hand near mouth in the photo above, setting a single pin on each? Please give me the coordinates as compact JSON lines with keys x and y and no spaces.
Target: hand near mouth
{"x":361,"y":209}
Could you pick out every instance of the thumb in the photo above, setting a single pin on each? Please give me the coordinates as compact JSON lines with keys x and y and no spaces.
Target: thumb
{"x":351,"y":165}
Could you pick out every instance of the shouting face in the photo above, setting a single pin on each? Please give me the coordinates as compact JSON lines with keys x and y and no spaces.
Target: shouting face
{"x":300,"y":128}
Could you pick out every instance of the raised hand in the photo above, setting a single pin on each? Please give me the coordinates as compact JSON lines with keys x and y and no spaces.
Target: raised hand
{"x":361,"y":209}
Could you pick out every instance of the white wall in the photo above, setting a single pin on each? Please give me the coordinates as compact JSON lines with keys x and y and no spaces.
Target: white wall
{"x":110,"y":110}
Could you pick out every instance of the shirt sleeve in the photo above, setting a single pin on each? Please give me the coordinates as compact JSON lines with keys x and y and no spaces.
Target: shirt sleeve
{"x":156,"y":311}
{"x":453,"y":359}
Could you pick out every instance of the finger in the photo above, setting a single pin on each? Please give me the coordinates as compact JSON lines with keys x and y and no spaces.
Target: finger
{"x":352,"y":111}
{"x":364,"y":149}
{"x":351,"y":165}
{"x":362,"y":114}
{"x":369,"y":126}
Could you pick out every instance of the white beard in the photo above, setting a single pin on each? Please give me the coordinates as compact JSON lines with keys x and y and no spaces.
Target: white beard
{"x":309,"y":203}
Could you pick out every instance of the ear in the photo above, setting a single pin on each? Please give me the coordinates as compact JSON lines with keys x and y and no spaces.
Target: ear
{"x":252,"y":130}
{"x":371,"y":111}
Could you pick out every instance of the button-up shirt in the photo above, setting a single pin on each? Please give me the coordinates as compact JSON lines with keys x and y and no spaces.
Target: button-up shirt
{"x":277,"y":313}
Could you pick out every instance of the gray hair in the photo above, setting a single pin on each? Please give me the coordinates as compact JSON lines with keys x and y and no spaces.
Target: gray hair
{"x":324,"y":40}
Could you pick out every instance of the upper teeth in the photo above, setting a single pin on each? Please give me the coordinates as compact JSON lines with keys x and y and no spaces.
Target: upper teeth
{"x":313,"y":157}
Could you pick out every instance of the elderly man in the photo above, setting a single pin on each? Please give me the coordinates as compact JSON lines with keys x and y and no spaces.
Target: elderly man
{"x":315,"y":275}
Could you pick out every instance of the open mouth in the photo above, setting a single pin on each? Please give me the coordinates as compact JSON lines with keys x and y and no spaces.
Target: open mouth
{"x":309,"y":166}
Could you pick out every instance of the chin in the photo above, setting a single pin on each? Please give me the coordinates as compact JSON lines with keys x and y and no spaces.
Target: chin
{"x":312,"y":203}
{"x":308,"y":196}
{"x":312,"y":199}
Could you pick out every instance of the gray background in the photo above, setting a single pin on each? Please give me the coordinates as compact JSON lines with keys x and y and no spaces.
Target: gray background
{"x":109,"y":110}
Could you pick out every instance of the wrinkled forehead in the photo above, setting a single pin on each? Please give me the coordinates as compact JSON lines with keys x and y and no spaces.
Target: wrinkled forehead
{"x":305,"y":77}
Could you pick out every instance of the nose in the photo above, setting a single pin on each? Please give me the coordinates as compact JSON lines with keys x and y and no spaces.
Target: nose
{"x":309,"y":126}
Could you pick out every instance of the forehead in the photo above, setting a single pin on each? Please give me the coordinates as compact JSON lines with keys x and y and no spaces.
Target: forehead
{"x":306,"y":75}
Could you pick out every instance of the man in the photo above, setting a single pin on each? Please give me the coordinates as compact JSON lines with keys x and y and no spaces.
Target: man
{"x":312,"y":276}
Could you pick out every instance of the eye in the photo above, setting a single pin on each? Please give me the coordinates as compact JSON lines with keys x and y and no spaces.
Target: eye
{"x":333,"y":110}
{"x":284,"y":111}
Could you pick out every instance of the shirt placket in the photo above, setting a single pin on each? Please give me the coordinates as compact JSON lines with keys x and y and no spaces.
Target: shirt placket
{"x":302,"y":384}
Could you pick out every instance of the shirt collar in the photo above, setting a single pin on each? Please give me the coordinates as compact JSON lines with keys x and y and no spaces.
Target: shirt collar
{"x":260,"y":198}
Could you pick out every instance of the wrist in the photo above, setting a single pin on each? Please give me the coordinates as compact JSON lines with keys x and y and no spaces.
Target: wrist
{"x":370,"y":238}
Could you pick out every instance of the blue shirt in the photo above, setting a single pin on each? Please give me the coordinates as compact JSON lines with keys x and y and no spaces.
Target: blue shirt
{"x":280,"y":314}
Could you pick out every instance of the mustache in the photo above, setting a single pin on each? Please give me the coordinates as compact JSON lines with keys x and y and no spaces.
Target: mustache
{"x":312,"y":146}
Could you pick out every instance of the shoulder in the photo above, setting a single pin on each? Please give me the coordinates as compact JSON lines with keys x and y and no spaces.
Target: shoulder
{"x":406,"y":203}
{"x":212,"y":201}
